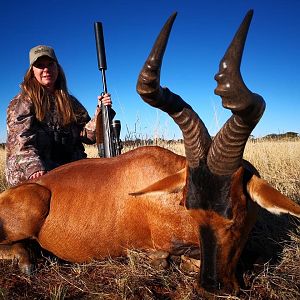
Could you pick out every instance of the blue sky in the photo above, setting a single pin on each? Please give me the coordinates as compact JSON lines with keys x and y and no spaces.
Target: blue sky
{"x":200,"y":36}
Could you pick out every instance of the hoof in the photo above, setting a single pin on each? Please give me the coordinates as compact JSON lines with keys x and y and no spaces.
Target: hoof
{"x":188,"y":264}
{"x":159,"y":259}
{"x":160,"y":263}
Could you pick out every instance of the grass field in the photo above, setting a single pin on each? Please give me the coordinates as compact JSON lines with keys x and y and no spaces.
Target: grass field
{"x":277,"y":239}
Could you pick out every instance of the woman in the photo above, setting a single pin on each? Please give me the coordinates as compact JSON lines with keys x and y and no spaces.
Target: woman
{"x":46,"y":125}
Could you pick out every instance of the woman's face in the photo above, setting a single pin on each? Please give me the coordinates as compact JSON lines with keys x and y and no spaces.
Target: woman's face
{"x":45,"y":71}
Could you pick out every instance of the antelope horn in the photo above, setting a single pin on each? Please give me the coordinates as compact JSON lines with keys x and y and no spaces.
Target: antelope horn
{"x":230,"y":82}
{"x":196,"y":138}
{"x":226,"y":152}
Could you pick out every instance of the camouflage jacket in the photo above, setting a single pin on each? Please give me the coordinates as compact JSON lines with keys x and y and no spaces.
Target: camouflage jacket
{"x":36,"y":146}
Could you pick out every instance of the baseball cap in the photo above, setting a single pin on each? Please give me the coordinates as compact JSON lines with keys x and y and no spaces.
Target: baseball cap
{"x":39,"y":51}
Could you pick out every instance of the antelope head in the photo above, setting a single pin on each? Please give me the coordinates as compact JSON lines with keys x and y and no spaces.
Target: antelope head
{"x":219,"y":188}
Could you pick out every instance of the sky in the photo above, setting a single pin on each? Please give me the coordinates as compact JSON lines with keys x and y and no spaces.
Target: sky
{"x":199,"y":38}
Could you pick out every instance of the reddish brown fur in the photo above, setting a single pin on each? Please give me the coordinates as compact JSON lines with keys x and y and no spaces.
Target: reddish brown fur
{"x":23,"y":211}
{"x":102,"y":219}
{"x":269,"y":198}
{"x":112,"y":219}
{"x":232,"y":233}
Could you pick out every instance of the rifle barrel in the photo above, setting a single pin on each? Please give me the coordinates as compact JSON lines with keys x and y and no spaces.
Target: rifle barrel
{"x":100,"y":46}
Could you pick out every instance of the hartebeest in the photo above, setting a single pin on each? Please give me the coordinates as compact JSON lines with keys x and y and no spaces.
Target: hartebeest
{"x":203,"y":204}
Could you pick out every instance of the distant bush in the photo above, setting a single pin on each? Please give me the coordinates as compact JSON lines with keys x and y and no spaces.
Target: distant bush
{"x":287,"y":135}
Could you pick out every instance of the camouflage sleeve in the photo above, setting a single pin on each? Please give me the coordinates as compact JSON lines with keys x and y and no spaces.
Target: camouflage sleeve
{"x":88,"y":134}
{"x":88,"y":125}
{"x":22,"y":159}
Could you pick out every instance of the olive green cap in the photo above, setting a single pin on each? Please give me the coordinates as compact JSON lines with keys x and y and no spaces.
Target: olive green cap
{"x":39,"y":51}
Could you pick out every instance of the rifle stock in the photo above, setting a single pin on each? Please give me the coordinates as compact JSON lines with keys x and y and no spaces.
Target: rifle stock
{"x":107,"y":142}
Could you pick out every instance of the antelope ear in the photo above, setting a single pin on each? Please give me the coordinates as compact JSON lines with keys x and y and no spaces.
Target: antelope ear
{"x":269,"y":198}
{"x":170,"y":184}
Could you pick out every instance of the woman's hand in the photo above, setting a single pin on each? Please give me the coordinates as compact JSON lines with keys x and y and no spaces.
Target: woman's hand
{"x":105,"y":99}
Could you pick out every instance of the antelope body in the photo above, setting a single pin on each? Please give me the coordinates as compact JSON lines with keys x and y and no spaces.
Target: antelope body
{"x":203,"y":205}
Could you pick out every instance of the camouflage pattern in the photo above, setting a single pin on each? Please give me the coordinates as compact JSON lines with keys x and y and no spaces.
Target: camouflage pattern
{"x":36,"y":146}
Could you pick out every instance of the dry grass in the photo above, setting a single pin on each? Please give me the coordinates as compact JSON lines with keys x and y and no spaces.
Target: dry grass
{"x":3,"y":184}
{"x":278,"y":162}
{"x":276,"y":276}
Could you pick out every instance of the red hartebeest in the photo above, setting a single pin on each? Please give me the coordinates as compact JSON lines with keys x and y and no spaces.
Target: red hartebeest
{"x":203,"y":204}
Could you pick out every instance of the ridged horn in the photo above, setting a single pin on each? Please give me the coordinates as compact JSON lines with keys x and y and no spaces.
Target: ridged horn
{"x":196,"y":138}
{"x":230,"y":82}
{"x":226,"y":152}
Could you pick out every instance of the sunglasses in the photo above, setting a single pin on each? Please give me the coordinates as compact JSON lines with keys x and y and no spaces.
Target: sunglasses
{"x":43,"y":65}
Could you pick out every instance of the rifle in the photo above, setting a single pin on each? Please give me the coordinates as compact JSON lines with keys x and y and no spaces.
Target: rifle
{"x":107,"y":132}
